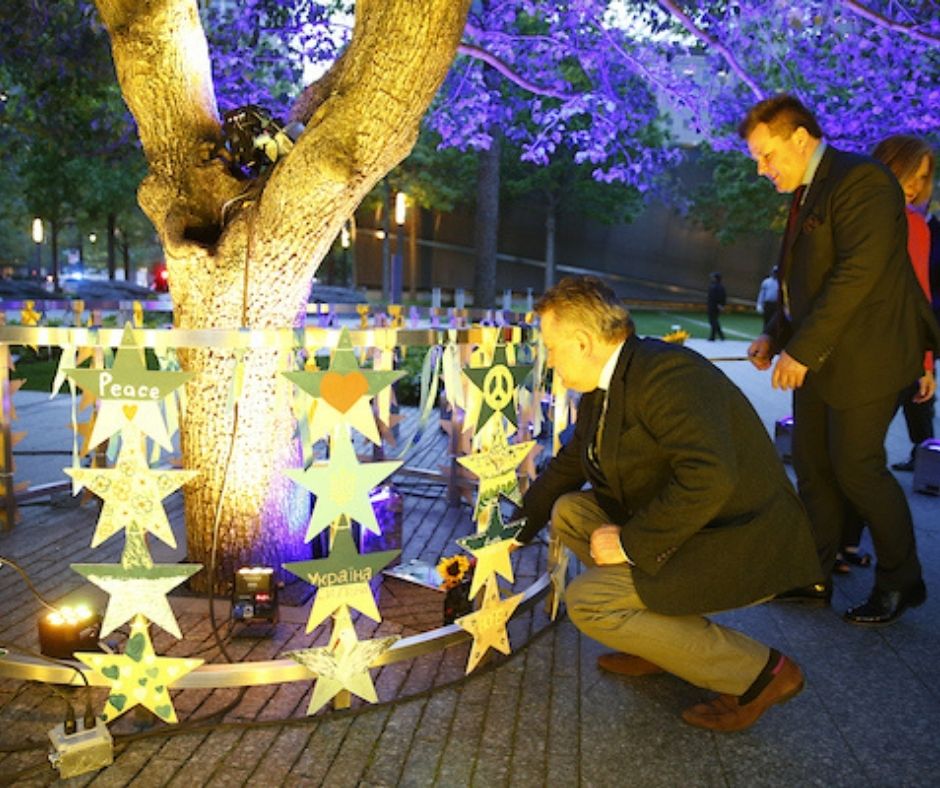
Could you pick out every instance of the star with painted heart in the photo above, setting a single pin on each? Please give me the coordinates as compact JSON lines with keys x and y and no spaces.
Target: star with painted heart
{"x":496,"y":469}
{"x":342,"y":666}
{"x":138,"y":676}
{"x":342,"y":578}
{"x":132,"y":493}
{"x":138,"y":590}
{"x":491,"y":549}
{"x":344,"y":392}
{"x":497,"y":383}
{"x":342,"y":485}
{"x":129,"y":393}
{"x":488,"y":624}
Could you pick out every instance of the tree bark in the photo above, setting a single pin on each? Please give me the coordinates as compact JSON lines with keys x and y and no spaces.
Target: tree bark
{"x":242,"y":257}
{"x":486,"y":227}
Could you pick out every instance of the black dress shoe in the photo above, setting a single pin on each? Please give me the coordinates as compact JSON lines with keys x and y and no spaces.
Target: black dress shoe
{"x":907,"y":465}
{"x":819,"y":594}
{"x":885,"y":607}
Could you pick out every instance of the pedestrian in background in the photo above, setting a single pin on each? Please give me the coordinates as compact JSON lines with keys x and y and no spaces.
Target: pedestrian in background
{"x":767,"y":296}
{"x":716,"y":302}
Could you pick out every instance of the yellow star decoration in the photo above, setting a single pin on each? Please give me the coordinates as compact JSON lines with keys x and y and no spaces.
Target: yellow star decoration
{"x":132,"y":493}
{"x":558,"y":573}
{"x":137,"y":590}
{"x":343,"y":665}
{"x":488,"y":624}
{"x":491,"y":559}
{"x":138,"y":676}
{"x":129,"y":393}
{"x":496,"y":469}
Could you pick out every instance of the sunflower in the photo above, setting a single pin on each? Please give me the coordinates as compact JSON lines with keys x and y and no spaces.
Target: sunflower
{"x":677,"y":336}
{"x":453,"y":570}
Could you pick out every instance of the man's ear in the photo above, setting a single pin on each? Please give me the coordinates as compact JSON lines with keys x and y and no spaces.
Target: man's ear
{"x":584,"y":339}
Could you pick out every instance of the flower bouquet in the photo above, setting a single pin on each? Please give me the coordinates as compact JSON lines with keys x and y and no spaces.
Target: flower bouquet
{"x":456,"y":572}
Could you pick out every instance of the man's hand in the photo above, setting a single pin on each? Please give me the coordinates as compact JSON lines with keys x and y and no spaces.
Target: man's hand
{"x":788,"y":373}
{"x":759,"y":352}
{"x":926,"y":389}
{"x":606,"y":549}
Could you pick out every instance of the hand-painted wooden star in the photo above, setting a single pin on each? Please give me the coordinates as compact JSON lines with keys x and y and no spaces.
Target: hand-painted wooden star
{"x":138,"y":590}
{"x":344,"y":392}
{"x":558,"y":573}
{"x":342,"y":578}
{"x":497,"y":383}
{"x":496,"y":469}
{"x":129,"y":392}
{"x":491,"y":549}
{"x":132,"y":493}
{"x":138,"y":676}
{"x":488,"y":624}
{"x":342,"y":485}
{"x":343,"y":666}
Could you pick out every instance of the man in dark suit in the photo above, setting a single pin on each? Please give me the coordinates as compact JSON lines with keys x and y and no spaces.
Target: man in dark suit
{"x":851,"y":333}
{"x":689,"y":511}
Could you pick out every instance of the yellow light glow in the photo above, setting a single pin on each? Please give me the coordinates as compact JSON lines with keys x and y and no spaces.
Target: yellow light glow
{"x":401,"y":208}
{"x":344,"y":237}
{"x":37,"y":230}
{"x":380,"y":234}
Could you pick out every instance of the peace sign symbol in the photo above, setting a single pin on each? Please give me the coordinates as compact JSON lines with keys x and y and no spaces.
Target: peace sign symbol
{"x":498,"y":387}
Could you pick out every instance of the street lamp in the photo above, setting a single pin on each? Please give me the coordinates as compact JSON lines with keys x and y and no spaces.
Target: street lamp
{"x":38,"y":239}
{"x":401,"y":210}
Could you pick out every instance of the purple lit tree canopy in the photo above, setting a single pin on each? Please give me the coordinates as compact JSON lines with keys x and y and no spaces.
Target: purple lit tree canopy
{"x":586,"y":79}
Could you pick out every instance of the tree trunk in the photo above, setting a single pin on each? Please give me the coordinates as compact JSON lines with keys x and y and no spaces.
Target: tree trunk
{"x":550,"y":210}
{"x":486,"y":227}
{"x":112,"y":257}
{"x":245,"y":257}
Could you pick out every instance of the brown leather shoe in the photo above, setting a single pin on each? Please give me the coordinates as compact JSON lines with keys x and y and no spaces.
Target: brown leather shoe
{"x":726,"y":714}
{"x":627,"y":664}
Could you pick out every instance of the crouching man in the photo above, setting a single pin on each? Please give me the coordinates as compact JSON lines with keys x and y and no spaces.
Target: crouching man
{"x":689,"y":510}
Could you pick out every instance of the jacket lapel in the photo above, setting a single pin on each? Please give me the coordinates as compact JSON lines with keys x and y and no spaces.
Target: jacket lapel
{"x":615,"y":406}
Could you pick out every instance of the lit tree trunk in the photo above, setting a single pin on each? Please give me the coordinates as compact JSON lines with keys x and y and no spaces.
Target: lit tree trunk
{"x":112,"y":257}
{"x":253,"y":266}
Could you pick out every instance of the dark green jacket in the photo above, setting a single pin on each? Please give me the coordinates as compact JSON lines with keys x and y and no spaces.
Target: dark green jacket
{"x":707,"y":512}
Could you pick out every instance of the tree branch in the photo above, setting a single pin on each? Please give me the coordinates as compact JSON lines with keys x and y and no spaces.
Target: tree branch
{"x":478,"y":53}
{"x":890,"y":24}
{"x":712,"y":43}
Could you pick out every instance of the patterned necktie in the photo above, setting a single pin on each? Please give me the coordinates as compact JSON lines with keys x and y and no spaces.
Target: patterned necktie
{"x":594,"y":450}
{"x":783,"y":270}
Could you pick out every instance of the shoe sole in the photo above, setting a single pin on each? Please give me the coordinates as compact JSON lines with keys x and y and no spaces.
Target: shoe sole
{"x":805,"y":602}
{"x":880,"y":624}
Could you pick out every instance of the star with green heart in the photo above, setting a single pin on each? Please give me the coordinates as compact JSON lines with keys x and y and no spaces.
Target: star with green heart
{"x":497,"y":383}
{"x":138,"y":676}
{"x":342,"y":578}
{"x":138,"y":590}
{"x":343,"y":665}
{"x":132,"y":492}
{"x":342,"y":485}
{"x":488,"y":624}
{"x":129,"y":393}
{"x":344,"y":392}
{"x":496,"y":466}
{"x":491,"y":548}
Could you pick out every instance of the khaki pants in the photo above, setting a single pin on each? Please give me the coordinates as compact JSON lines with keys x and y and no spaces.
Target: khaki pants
{"x":603,"y":603}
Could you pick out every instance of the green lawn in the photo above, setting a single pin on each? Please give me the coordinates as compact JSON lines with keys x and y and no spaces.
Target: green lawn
{"x":656,"y":323}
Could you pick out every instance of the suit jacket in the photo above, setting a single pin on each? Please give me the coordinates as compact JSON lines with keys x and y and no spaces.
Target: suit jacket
{"x":857,"y":317}
{"x":707,"y":513}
